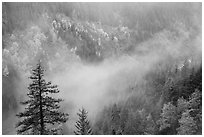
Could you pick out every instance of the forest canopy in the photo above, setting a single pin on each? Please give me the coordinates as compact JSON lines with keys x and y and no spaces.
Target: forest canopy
{"x":136,"y":68}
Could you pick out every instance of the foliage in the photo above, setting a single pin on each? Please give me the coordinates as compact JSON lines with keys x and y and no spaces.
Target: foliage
{"x":187,"y":124}
{"x":42,"y":109}
{"x":83,"y":125}
{"x":151,"y":128}
{"x":167,"y":36}
{"x":168,"y":117}
{"x":164,"y":116}
{"x":115,"y":120}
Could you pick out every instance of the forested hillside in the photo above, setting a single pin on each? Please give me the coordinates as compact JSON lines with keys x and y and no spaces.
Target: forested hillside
{"x":135,"y":67}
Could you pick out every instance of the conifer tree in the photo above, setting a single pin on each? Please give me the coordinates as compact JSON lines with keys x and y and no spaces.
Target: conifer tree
{"x":187,"y":124}
{"x":195,"y":103}
{"x":168,"y":118}
{"x":150,"y":127}
{"x":123,"y":117}
{"x":134,"y":124}
{"x":42,"y":110}
{"x":115,"y":120}
{"x":83,"y":125}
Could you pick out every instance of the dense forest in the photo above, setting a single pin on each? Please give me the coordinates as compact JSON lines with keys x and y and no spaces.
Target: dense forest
{"x":116,"y":68}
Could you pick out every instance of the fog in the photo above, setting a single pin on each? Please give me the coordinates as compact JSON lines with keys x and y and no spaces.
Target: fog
{"x":94,"y":85}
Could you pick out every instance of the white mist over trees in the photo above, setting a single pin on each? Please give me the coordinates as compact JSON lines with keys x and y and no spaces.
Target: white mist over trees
{"x":143,"y":57}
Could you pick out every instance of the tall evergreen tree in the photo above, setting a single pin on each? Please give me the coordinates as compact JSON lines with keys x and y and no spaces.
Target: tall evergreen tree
{"x":196,"y":109}
{"x":187,"y":124}
{"x":150,"y":127}
{"x":83,"y":125}
{"x":134,"y":124}
{"x":123,"y":117}
{"x":42,"y":109}
{"x":115,"y":120}
{"x":168,"y":119}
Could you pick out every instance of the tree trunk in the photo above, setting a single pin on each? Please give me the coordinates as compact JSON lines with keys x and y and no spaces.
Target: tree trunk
{"x":41,"y":110}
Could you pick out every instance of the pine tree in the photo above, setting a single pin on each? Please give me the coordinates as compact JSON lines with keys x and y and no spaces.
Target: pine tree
{"x":168,"y":119}
{"x":123,"y":117}
{"x":182,"y":105}
{"x":115,"y":120}
{"x":187,"y":124}
{"x":83,"y":125}
{"x":134,"y":124}
{"x":196,"y":109}
{"x":150,"y":127}
{"x":42,"y":109}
